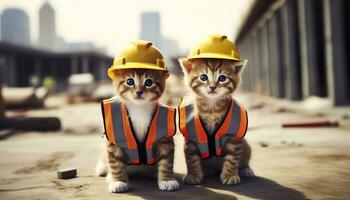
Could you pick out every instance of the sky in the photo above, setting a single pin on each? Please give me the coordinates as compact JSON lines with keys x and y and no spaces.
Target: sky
{"x":113,"y":23}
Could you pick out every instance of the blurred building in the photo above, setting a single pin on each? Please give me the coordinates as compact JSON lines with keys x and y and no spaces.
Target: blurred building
{"x":15,"y":27}
{"x":63,"y":46}
{"x":19,"y":64}
{"x":297,"y":48}
{"x":150,"y":28}
{"x":47,"y":27}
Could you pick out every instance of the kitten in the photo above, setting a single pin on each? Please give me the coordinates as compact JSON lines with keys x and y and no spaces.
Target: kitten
{"x":139,"y":90}
{"x":212,"y":82}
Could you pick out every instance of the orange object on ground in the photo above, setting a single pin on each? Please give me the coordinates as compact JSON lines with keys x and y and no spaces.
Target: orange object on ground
{"x":326,"y":123}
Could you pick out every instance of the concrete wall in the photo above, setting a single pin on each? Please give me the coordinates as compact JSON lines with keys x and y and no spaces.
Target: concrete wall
{"x":19,"y":64}
{"x":298,"y":48}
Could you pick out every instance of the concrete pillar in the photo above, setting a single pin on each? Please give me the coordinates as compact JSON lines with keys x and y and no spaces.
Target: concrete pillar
{"x":337,"y":62}
{"x":280,"y":55}
{"x":243,"y":53}
{"x":257,"y":77}
{"x":2,"y":107}
{"x":38,"y":68}
{"x":86,"y":65}
{"x":303,"y":48}
{"x":2,"y":72}
{"x":249,"y":65}
{"x":102,"y":71}
{"x":312,"y":48}
{"x":74,"y":65}
{"x":273,"y":75}
{"x":291,"y":50}
{"x":248,"y":80}
{"x":252,"y":63}
{"x":263,"y":61}
{"x":12,"y":69}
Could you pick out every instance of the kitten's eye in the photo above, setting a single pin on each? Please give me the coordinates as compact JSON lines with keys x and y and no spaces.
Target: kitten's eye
{"x":222,"y":78}
{"x":148,"y":83}
{"x":130,"y":81}
{"x":203,"y":77}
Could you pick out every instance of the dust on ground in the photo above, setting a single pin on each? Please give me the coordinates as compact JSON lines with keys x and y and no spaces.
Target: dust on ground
{"x":300,"y":163}
{"x":50,"y":163}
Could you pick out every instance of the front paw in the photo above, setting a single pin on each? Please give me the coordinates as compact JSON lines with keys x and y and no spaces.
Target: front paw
{"x":230,"y":179}
{"x":169,"y":186}
{"x":101,"y":169}
{"x":192,"y":179}
{"x":246,"y":172}
{"x":118,"y":186}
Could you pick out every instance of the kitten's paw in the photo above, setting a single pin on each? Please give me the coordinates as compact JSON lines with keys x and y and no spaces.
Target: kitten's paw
{"x":108,"y":178}
{"x":118,"y":186}
{"x":192,"y":179}
{"x":230,"y":179}
{"x":170,"y":185}
{"x":101,"y":169}
{"x":246,"y":172}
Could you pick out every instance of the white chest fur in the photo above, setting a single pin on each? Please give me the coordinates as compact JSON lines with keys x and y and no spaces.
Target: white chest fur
{"x":140,"y":116}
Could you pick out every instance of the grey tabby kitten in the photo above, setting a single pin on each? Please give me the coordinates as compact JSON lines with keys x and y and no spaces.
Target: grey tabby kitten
{"x":212,"y":100}
{"x":140,"y":106}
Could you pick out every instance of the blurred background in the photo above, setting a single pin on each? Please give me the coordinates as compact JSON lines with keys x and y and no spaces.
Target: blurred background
{"x":54,"y":56}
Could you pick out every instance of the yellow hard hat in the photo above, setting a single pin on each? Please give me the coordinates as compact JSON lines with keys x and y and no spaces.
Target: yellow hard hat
{"x":215,"y":46}
{"x":138,"y":55}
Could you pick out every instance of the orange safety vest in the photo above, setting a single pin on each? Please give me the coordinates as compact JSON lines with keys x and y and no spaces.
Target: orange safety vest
{"x":118,"y":130}
{"x":234,"y":125}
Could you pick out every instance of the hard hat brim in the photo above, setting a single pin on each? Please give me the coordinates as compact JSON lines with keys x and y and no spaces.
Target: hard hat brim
{"x":213,"y":55}
{"x":134,"y":66}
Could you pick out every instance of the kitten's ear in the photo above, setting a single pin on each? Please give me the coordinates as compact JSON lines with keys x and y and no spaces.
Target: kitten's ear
{"x":185,"y":64}
{"x":166,"y":75}
{"x":239,"y":65}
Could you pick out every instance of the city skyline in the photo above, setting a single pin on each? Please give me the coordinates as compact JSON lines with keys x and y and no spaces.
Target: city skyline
{"x":113,"y":24}
{"x":15,"y":27}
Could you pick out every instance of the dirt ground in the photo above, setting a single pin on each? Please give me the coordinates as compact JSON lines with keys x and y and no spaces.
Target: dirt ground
{"x":302,"y":163}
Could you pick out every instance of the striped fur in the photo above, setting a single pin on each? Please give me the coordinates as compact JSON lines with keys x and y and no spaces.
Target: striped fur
{"x":211,"y":105}
{"x":116,"y":160}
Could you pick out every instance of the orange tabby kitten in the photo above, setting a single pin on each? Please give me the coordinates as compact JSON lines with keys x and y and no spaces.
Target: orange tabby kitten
{"x":139,"y":90}
{"x":212,"y":82}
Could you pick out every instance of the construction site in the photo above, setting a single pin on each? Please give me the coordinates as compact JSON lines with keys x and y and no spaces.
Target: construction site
{"x":295,"y":88}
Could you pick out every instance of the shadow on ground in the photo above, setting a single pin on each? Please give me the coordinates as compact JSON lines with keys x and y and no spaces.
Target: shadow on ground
{"x":258,"y":188}
{"x":144,"y":185}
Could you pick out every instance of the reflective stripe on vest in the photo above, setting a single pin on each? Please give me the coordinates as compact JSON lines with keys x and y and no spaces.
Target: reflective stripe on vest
{"x":118,"y":129}
{"x":234,"y":125}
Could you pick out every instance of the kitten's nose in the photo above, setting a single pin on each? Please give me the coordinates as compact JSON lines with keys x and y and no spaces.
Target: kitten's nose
{"x":139,"y":93}
{"x":212,"y":88}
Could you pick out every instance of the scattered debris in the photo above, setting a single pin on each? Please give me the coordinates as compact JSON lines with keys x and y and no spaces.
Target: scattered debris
{"x":81,"y":87}
{"x":64,"y":186}
{"x":283,"y":110}
{"x":50,"y":163}
{"x":24,"y":97}
{"x":103,"y":91}
{"x":291,"y":144}
{"x":6,"y":133}
{"x":257,"y":106}
{"x":31,"y":123}
{"x":67,"y":174}
{"x":346,"y":116}
{"x":82,"y":130}
{"x":264,"y":144}
{"x":311,"y":124}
